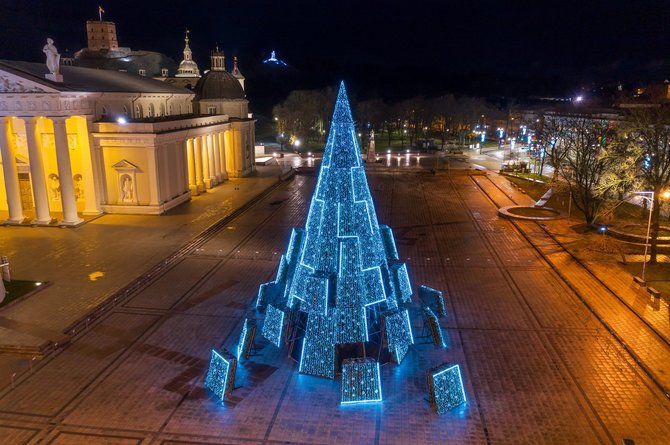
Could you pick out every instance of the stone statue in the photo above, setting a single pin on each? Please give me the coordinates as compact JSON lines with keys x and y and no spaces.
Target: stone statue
{"x":127,"y":189}
{"x":53,"y":58}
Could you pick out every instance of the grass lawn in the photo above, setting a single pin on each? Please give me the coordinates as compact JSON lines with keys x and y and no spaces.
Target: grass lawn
{"x":625,"y":213}
{"x":16,"y":289}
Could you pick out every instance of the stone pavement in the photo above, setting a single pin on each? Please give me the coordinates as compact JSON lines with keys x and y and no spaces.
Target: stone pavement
{"x":635,"y":318}
{"x":86,"y":265}
{"x":538,"y":365}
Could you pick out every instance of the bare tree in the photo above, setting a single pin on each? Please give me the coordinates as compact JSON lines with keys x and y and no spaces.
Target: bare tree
{"x":551,"y":131}
{"x":586,"y":162}
{"x":647,"y":134}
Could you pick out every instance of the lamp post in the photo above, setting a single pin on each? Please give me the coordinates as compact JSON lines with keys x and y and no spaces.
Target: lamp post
{"x":650,"y":198}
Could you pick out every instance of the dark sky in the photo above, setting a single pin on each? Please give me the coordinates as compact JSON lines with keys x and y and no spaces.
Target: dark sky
{"x":387,"y":48}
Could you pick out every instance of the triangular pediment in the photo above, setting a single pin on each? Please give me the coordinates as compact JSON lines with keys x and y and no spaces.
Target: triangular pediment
{"x":125,"y":166}
{"x":15,"y":83}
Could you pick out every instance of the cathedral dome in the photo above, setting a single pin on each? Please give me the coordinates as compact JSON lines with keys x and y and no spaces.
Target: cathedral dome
{"x":188,"y":68}
{"x":218,"y":85}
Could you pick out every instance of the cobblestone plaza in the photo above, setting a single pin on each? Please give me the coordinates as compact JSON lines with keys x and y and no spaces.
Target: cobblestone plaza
{"x":543,"y":360}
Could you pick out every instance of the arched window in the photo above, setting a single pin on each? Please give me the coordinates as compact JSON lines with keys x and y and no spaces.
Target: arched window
{"x":138,"y":111}
{"x":104,"y":111}
{"x":125,"y":111}
{"x":170,"y":110}
{"x":152,"y":111}
{"x":161,"y":110}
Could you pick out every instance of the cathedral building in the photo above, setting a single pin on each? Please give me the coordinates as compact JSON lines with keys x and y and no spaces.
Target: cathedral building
{"x":76,"y":141}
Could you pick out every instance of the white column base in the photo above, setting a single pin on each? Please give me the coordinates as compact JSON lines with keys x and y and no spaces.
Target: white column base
{"x":37,"y":222}
{"x":78,"y":222}
{"x":14,"y":222}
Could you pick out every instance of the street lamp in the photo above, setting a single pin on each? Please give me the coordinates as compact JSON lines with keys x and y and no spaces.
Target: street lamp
{"x":650,"y":198}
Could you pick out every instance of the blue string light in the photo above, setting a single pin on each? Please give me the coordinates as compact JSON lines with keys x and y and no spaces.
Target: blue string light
{"x":427,"y":293}
{"x":434,"y":326}
{"x":246,"y":339}
{"x":361,"y":382}
{"x":398,"y":332}
{"x":221,"y":374}
{"x":273,"y":327}
{"x":445,"y":386}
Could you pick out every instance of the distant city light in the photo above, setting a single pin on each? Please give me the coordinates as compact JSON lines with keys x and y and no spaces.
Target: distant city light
{"x":579,"y":98}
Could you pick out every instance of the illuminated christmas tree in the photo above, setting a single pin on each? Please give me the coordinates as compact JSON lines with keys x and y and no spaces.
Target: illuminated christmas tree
{"x":337,"y":303}
{"x":340,"y":284}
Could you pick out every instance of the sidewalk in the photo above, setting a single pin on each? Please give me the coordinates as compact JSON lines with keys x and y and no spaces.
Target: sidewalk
{"x":88,"y":264}
{"x":639,"y":323}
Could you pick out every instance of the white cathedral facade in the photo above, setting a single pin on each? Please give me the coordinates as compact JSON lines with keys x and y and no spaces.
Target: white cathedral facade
{"x":77,"y":141}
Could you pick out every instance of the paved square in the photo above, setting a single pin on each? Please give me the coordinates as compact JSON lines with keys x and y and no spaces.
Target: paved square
{"x":538,"y":366}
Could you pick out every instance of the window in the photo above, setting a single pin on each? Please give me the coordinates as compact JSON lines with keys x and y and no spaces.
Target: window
{"x":138,"y":111}
{"x":125,"y":110}
{"x":152,"y":111}
{"x":142,"y":72}
{"x":211,"y":110}
{"x":164,"y":72}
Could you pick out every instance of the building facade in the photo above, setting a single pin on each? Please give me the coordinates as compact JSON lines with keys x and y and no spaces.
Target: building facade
{"x":108,"y":141}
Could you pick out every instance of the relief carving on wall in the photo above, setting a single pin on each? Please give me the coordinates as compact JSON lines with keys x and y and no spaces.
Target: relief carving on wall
{"x":8,"y":85}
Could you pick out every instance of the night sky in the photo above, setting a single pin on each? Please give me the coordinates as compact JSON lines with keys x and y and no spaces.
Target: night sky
{"x":392,"y":49}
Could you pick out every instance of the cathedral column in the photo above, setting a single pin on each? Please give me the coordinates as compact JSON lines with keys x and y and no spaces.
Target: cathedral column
{"x":217,"y":157}
{"x":92,"y":168}
{"x":67,"y":196}
{"x":240,"y":153}
{"x":190,"y":161}
{"x":222,"y":155}
{"x":197,"y":150}
{"x":205,"y":162}
{"x":252,"y":136}
{"x":43,"y":216}
{"x":11,"y":174}
{"x":212,"y":159}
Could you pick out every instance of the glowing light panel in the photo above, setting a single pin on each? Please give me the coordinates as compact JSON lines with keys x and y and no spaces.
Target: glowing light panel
{"x":273,"y":327}
{"x":361,"y":382}
{"x":221,"y":374}
{"x":428,"y":293}
{"x":445,"y":387}
{"x":398,"y":332}
{"x":434,"y":327}
{"x":246,"y":339}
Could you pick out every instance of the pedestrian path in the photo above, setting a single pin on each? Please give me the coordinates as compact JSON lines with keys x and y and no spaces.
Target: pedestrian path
{"x":87,"y":265}
{"x":643,"y":332}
